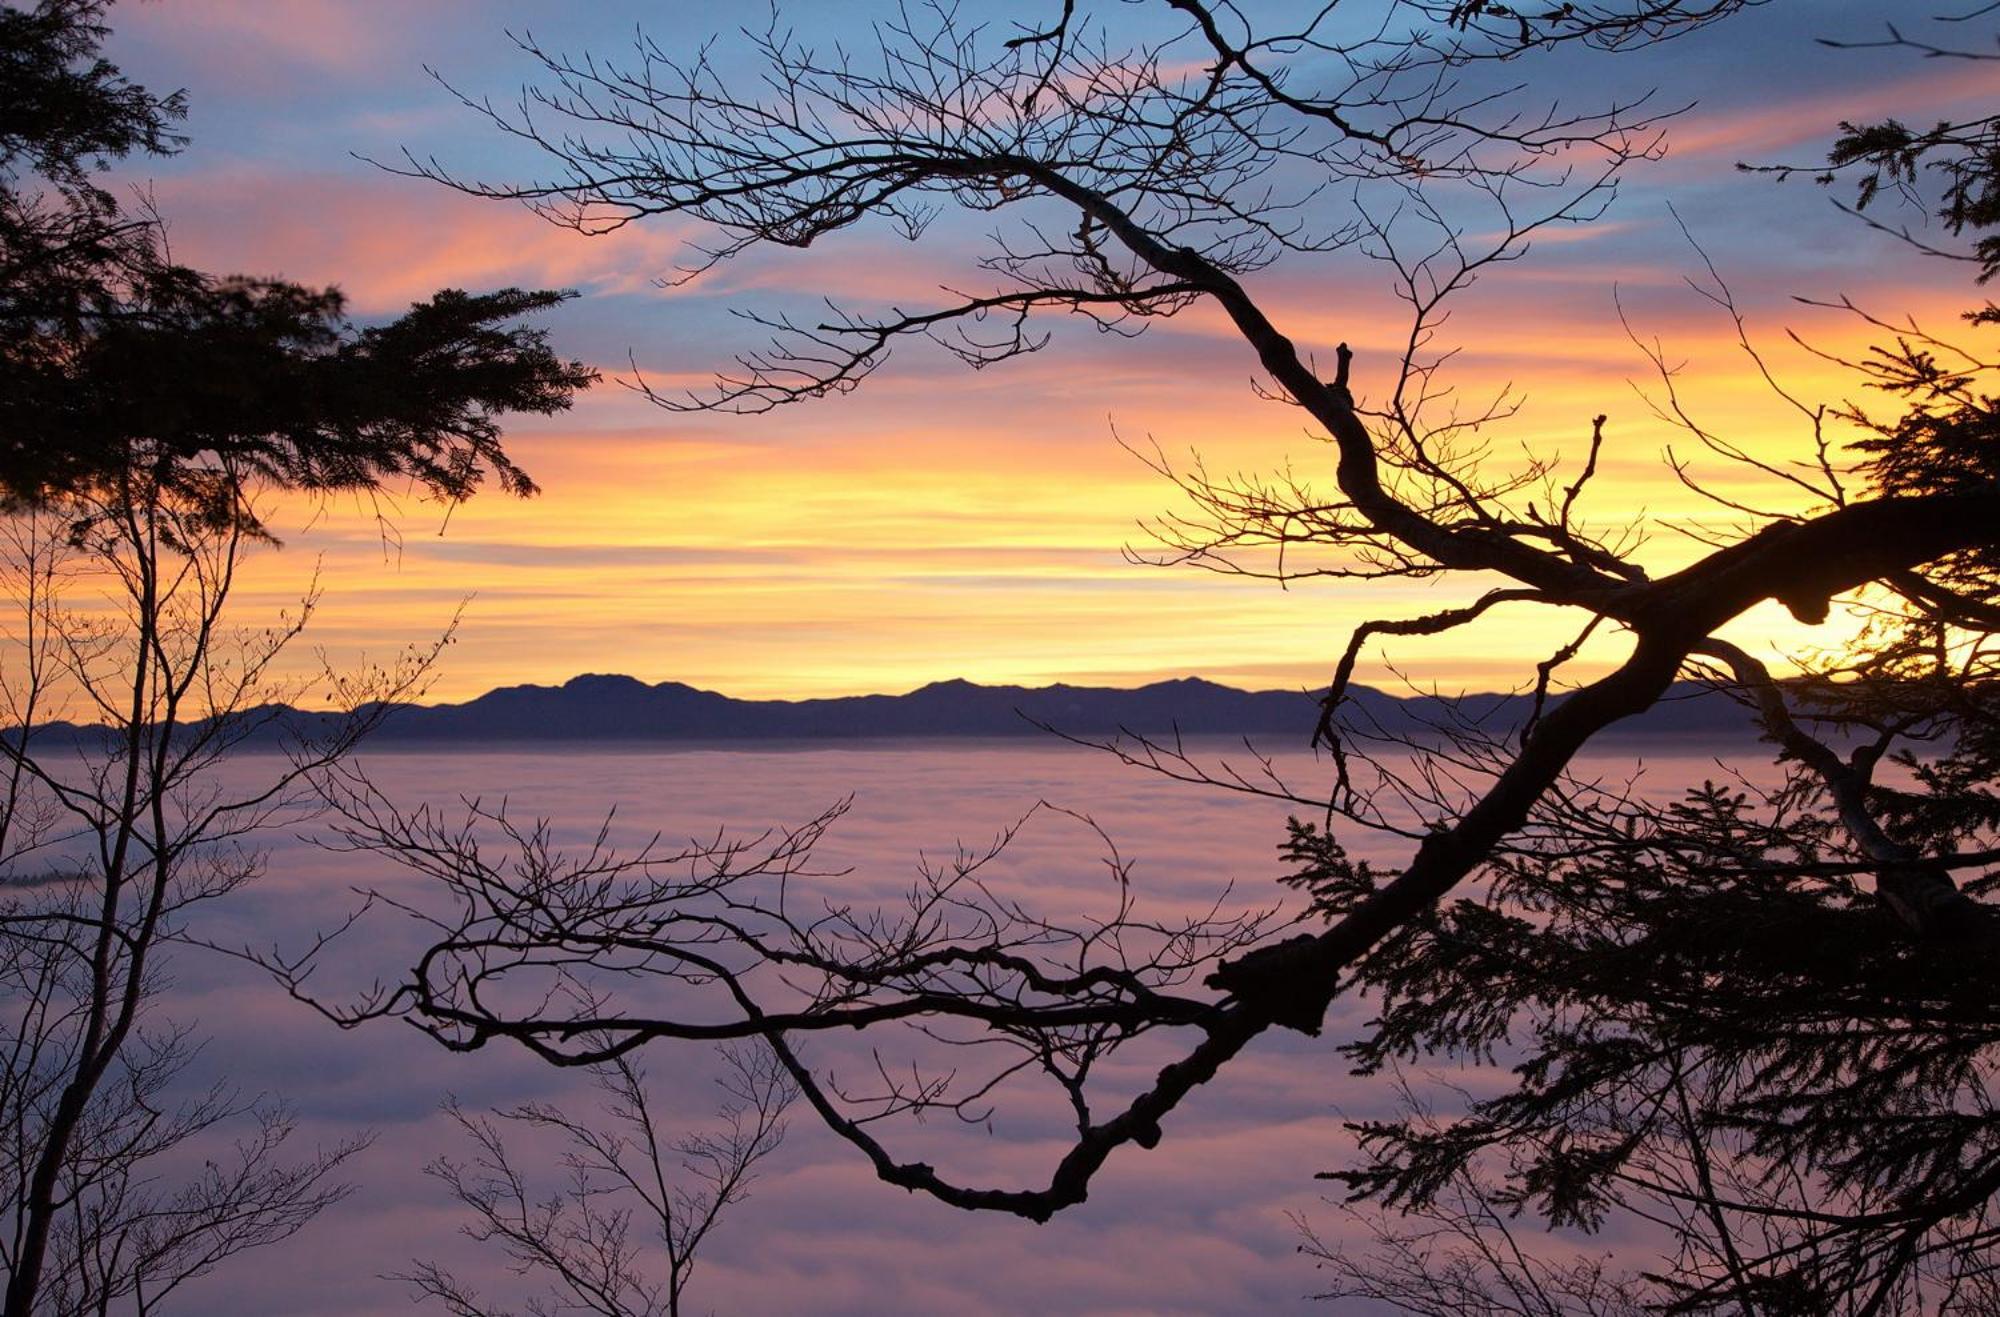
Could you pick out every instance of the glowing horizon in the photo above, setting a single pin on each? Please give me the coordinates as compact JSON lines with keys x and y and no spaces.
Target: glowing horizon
{"x":942,"y":523}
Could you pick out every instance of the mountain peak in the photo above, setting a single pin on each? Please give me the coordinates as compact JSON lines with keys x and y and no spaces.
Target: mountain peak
{"x":605,"y":682}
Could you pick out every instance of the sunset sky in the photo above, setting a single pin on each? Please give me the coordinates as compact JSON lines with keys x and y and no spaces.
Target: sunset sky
{"x":943,"y":523}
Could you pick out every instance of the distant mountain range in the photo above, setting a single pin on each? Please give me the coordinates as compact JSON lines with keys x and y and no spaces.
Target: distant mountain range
{"x":603,"y":708}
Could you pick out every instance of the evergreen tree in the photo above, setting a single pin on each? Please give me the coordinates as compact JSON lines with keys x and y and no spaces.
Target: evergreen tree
{"x":1762,"y":1014}
{"x":112,"y":356}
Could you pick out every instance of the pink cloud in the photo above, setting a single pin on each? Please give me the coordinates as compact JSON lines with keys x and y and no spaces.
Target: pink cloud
{"x":1741,"y":132}
{"x":260,"y":44}
{"x":390,"y":241}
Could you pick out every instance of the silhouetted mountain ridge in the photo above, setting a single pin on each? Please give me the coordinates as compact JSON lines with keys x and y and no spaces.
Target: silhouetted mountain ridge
{"x":612,"y":707}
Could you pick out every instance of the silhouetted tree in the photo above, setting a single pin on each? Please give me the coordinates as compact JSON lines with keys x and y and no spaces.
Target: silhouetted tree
{"x":1801,"y":967}
{"x":143,"y":406}
{"x":112,"y":837}
{"x":112,"y":355}
{"x":1722,"y":1023}
{"x":630,"y":1191}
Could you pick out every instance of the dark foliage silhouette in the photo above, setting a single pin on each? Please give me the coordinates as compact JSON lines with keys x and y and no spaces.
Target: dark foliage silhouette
{"x":1759,"y":1014}
{"x":112,"y":356}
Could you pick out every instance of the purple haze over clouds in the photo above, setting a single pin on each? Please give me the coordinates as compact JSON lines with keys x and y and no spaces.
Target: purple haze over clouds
{"x":1200,"y":1225}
